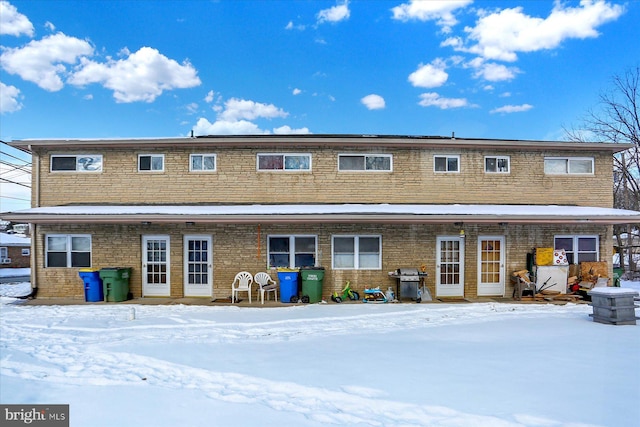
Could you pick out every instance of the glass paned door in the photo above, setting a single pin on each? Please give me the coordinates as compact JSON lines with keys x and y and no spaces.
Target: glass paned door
{"x":491,"y":265}
{"x":450,"y":266}
{"x":198,"y":266}
{"x":155,"y":266}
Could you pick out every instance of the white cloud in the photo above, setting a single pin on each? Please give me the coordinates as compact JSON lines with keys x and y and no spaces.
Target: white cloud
{"x":237,"y":109}
{"x":440,"y":11}
{"x":42,"y":61}
{"x":12,"y":22}
{"x":512,"y":109}
{"x":429,"y":75}
{"x":493,"y":72}
{"x":209,"y":98}
{"x":9,"y":102}
{"x":292,"y":26}
{"x":287,"y":130}
{"x":192,"y":108}
{"x":334,"y":14}
{"x":241,"y":127}
{"x":225,"y":127}
{"x":235,"y":118}
{"x":373,"y":102}
{"x":297,"y":91}
{"x":49,"y":26}
{"x":142,"y":76}
{"x":501,"y":35}
{"x":432,"y":99}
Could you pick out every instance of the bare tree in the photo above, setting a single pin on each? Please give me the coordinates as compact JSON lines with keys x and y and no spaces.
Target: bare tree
{"x":617,"y":119}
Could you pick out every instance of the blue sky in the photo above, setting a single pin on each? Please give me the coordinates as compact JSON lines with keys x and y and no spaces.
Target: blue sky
{"x":481,"y":69}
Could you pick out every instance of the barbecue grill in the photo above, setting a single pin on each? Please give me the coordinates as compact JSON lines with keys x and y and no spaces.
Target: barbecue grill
{"x":408,"y":282}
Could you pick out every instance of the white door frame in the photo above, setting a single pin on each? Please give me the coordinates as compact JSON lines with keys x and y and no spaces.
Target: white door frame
{"x":157,"y":268}
{"x":487,"y":287}
{"x":449,"y":289}
{"x":191,"y":287}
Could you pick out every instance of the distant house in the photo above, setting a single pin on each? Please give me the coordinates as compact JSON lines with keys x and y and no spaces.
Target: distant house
{"x":15,"y":251}
{"x":187,"y":214}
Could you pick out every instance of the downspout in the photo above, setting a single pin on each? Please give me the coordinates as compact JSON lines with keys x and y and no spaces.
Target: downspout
{"x":35,"y":203}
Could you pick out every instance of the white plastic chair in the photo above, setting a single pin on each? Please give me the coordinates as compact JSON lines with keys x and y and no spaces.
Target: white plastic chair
{"x":267,"y":284}
{"x":244,"y":279}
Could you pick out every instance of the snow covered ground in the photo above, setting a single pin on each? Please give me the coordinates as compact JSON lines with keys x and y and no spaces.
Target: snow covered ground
{"x":430,"y":364}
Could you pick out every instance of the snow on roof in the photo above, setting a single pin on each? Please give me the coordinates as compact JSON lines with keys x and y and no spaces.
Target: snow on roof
{"x":443,"y":213}
{"x":14,"y":240}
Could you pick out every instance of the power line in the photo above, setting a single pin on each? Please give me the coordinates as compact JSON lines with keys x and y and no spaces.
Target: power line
{"x":16,"y":183}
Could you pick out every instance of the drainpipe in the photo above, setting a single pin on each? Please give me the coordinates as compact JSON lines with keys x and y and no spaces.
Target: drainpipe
{"x":35,"y":203}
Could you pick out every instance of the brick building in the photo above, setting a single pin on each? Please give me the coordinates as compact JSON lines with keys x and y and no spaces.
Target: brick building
{"x":188,"y":213}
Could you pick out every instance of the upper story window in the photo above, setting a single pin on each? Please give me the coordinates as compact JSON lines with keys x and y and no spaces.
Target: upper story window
{"x":68,"y":250}
{"x":568,"y":165}
{"x":150,"y":162}
{"x":284,"y":162}
{"x":496,"y":164}
{"x":76,"y":163}
{"x":579,"y":248}
{"x":446,"y":163}
{"x":365,"y":162}
{"x":202,"y":163}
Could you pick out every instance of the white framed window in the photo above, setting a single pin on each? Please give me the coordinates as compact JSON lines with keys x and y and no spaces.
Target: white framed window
{"x":150,"y":162}
{"x":365,"y":162}
{"x":4,"y":252}
{"x":496,"y":164}
{"x":568,"y":165}
{"x":361,"y":252}
{"x":76,"y":163}
{"x":68,"y":250}
{"x":292,"y":251}
{"x":26,"y":252}
{"x":284,"y":162}
{"x":446,"y":163}
{"x":579,"y":248}
{"x":202,"y":162}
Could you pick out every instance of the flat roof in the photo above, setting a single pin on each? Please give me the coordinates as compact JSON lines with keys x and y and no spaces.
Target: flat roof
{"x":325,"y":213}
{"x":406,"y":141}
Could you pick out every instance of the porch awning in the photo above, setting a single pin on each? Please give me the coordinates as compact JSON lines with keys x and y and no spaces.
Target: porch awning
{"x":325,"y":213}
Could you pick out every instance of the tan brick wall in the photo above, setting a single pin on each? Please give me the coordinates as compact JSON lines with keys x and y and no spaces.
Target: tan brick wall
{"x":235,"y":248}
{"x":237,"y":181}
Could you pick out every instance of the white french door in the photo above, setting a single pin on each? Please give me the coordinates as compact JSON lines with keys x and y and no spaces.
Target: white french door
{"x":198,"y":266}
{"x":491,"y":253}
{"x":155,"y":266}
{"x":450,"y":266}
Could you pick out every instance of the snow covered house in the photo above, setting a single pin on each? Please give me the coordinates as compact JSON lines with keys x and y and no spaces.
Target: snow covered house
{"x":187,"y":214}
{"x":15,"y":251}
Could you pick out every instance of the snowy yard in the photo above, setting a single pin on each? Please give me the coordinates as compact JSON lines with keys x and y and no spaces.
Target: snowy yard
{"x":430,"y":364}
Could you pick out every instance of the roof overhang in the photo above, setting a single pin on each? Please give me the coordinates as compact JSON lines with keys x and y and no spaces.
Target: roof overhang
{"x":325,"y":213}
{"x":316,"y":140}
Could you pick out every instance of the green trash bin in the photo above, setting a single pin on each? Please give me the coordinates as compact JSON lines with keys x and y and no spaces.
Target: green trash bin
{"x":617,"y":275}
{"x":312,"y":278}
{"x":115,"y":283}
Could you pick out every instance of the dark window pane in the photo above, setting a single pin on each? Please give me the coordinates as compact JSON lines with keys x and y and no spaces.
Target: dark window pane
{"x":343,"y":245}
{"x":279,"y":260}
{"x":305,"y":244}
{"x":351,"y":163}
{"x":63,"y":163}
{"x":80,"y":259}
{"x":270,"y":162}
{"x":586,"y":244}
{"x":279,"y":244}
{"x":145,"y":163}
{"x":452,"y":164}
{"x":369,"y":244}
{"x":305,"y":260}
{"x":56,"y":259}
{"x":565,"y":243}
{"x":440,"y":164}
